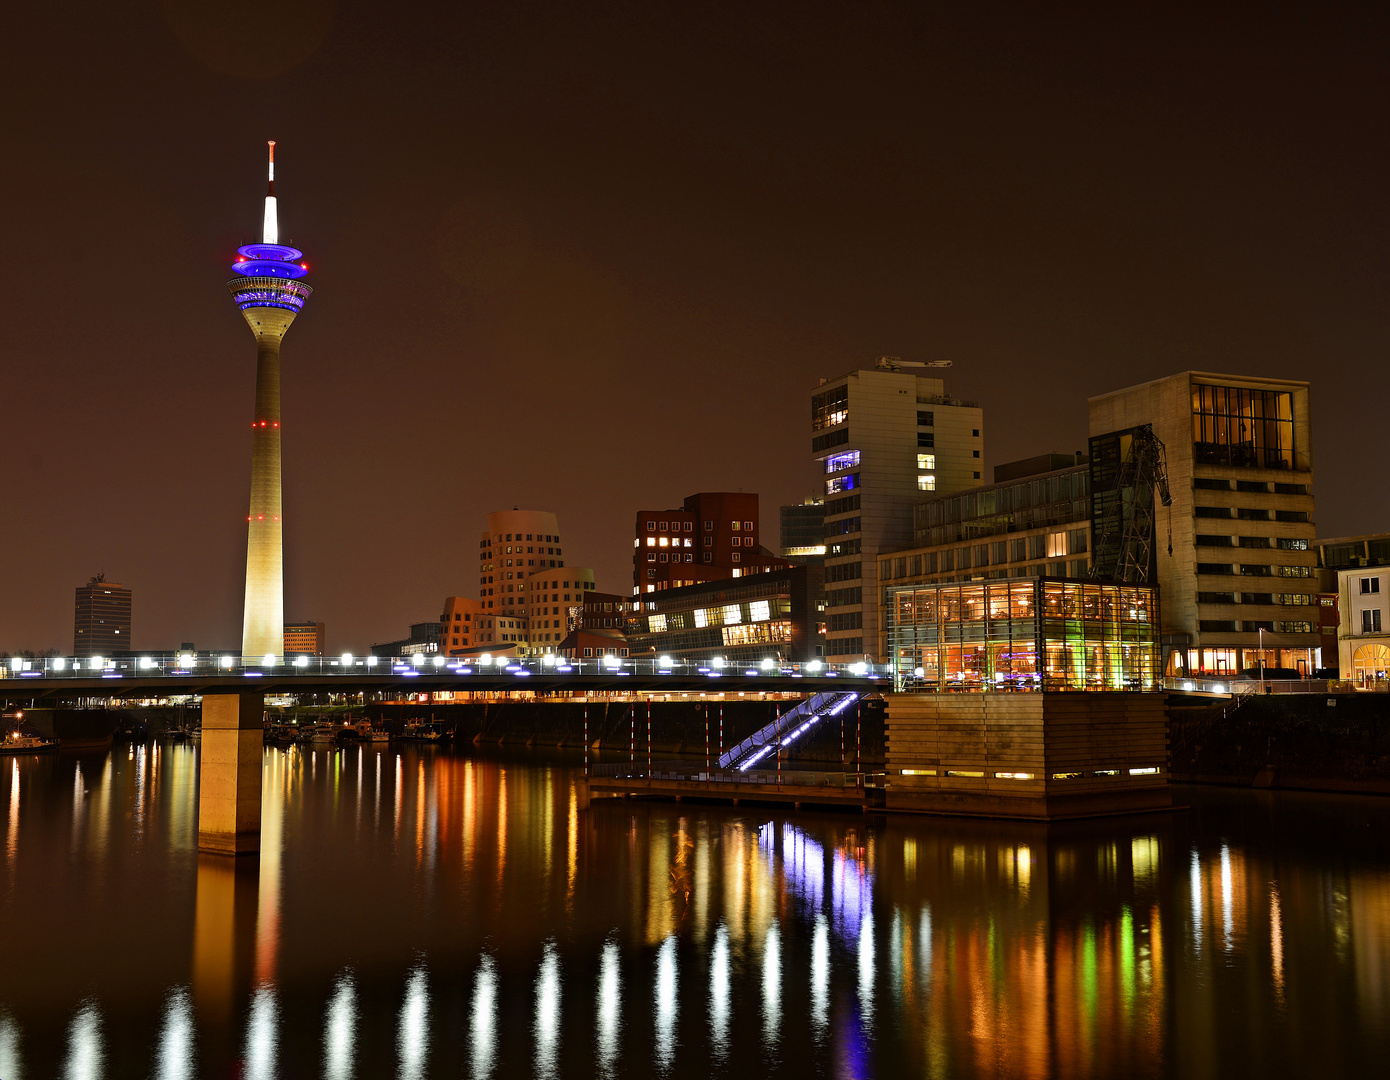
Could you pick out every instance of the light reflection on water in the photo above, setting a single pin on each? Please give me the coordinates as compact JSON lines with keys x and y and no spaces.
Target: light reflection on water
{"x":609,"y":1009}
{"x":666,"y":1004}
{"x":340,"y":1029}
{"x":548,"y":1012}
{"x":484,"y":1019}
{"x":414,"y":1036}
{"x":487,"y":926}
{"x":177,"y":1056}
{"x":86,"y":1053}
{"x":262,"y":1033}
{"x":719,"y":996}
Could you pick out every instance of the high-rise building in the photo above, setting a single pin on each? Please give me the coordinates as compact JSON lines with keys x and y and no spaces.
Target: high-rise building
{"x":713,"y":536}
{"x":1033,"y":521}
{"x":269,"y":292}
{"x":304,"y":639}
{"x":101,"y":624}
{"x":523,"y":583}
{"x":803,"y":531}
{"x":1234,"y":555}
{"x":881,"y":440}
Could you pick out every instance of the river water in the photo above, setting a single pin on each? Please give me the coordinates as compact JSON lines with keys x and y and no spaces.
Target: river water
{"x":436,"y":914}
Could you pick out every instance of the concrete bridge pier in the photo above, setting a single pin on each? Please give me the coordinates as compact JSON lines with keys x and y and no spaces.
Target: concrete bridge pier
{"x":229,"y":774}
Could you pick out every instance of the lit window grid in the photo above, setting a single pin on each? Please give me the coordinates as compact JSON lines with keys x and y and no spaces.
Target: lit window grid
{"x":989,"y":635}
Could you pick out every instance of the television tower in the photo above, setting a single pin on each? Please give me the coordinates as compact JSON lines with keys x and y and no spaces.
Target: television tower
{"x":269,"y":292}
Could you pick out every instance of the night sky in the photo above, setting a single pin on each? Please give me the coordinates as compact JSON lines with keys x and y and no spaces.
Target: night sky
{"x":590,"y":258}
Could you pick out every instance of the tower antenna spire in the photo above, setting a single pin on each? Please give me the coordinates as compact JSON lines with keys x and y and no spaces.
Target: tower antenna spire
{"x":270,"y":232}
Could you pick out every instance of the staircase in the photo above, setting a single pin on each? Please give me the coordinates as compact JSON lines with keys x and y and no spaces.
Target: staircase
{"x":788,"y":727}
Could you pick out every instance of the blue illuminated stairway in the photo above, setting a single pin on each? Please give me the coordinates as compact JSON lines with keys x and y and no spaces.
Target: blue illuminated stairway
{"x":788,"y":727}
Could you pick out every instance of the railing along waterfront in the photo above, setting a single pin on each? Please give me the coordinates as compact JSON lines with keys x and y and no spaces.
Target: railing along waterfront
{"x":182,"y":665}
{"x":1239,"y":687}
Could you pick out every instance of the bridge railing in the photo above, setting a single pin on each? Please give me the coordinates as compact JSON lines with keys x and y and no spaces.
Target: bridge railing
{"x":182,"y":665}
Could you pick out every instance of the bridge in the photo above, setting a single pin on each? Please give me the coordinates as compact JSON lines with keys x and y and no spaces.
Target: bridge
{"x":50,"y":679}
{"x":233,"y":695}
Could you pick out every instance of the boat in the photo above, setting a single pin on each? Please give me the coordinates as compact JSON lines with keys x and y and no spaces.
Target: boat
{"x":422,"y":731}
{"x":15,"y":743}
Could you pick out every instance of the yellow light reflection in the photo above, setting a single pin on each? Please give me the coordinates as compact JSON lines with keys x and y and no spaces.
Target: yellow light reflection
{"x":501,"y":825}
{"x":1276,"y":942}
{"x":572,"y":847}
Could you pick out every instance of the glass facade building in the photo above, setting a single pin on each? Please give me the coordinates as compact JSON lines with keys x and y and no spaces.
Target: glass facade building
{"x":1024,"y":634}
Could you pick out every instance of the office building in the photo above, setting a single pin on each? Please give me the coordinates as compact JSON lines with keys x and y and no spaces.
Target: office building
{"x":101,"y":622}
{"x":714,"y":536}
{"x":803,"y":531}
{"x":424,"y":638}
{"x":1038,"y":633}
{"x":881,"y":440}
{"x":599,"y":627}
{"x":772,"y":615}
{"x":523,"y":583}
{"x":1334,"y":555}
{"x":1233,"y":555}
{"x":464,"y":627}
{"x":269,"y":293}
{"x":305,"y":639}
{"x":1034,"y":521}
{"x":1363,"y":636}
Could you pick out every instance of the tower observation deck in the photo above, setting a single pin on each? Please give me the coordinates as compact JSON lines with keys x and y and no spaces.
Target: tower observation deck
{"x":270,"y":293}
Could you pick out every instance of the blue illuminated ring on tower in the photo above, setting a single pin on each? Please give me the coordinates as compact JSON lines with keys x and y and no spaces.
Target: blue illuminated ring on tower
{"x":249,"y":292}
{"x":269,"y":260}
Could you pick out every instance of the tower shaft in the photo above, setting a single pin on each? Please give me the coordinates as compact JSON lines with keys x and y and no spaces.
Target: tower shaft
{"x":264,"y":619}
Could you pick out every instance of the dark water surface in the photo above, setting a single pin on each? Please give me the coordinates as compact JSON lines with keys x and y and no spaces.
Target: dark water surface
{"x":428,"y":914}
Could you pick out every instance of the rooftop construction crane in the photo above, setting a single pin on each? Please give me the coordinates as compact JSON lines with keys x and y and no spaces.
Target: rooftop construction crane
{"x":1124,"y":512}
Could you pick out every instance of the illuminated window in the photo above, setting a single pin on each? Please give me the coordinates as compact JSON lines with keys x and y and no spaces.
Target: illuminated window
{"x":730,"y":614}
{"x":663,"y":541}
{"x":840,"y":463}
{"x":1013,"y":776}
{"x":656,"y":624}
{"x":701,"y":617}
{"x":926,"y":461}
{"x":687,"y":539}
{"x":759,"y":611}
{"x":836,"y":484}
{"x":651,"y":541}
{"x":1143,"y":772}
{"x":733,"y":525}
{"x":926,"y":482}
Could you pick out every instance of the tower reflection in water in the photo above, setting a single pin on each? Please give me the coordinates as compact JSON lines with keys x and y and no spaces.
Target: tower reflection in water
{"x":404,"y":906}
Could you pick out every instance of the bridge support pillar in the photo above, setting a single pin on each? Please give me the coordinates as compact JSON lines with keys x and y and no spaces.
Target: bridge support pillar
{"x":229,"y":774}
